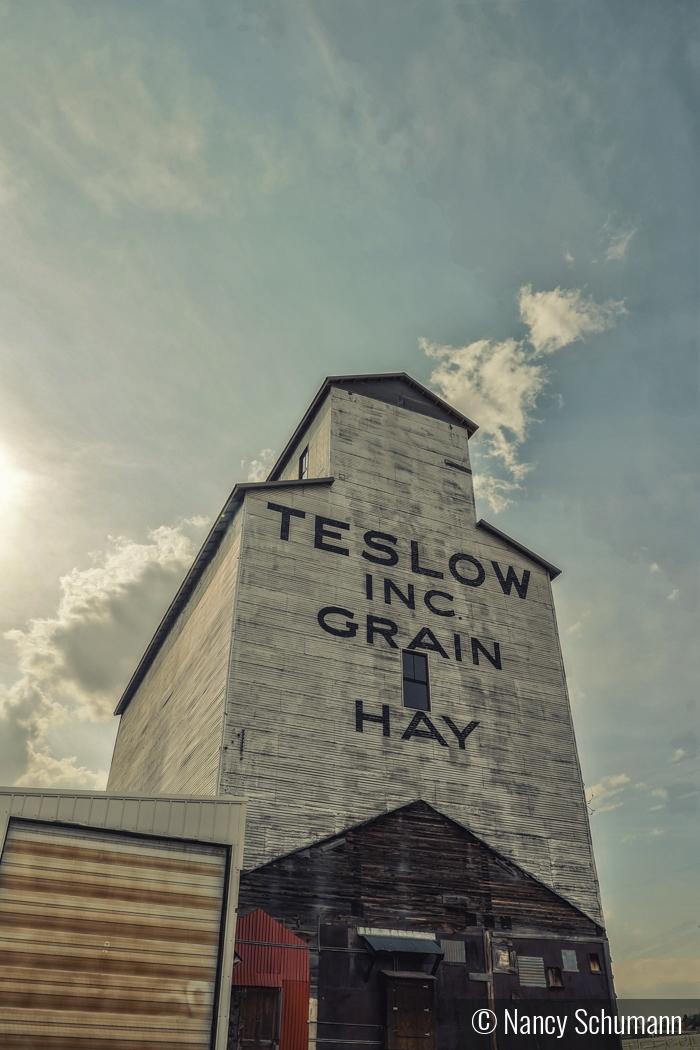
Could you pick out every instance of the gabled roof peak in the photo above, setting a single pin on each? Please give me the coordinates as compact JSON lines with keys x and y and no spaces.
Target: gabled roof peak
{"x":397,"y":388}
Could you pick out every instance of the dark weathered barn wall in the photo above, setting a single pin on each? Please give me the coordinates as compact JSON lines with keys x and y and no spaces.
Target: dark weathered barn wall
{"x":415,"y":870}
{"x":412,"y":866}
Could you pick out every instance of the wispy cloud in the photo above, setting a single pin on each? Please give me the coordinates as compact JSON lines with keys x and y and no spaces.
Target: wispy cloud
{"x":619,"y":237}
{"x":496,"y":491}
{"x":498,"y":383}
{"x":72,"y":665}
{"x":259,"y":468}
{"x":577,"y":628}
{"x":685,"y":746}
{"x":123,"y":127}
{"x":603,"y":795}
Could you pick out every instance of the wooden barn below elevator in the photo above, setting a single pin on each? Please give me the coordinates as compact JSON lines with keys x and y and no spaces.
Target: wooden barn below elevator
{"x":379,"y":673}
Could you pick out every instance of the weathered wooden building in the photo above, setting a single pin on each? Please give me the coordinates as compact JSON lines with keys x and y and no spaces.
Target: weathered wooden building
{"x":380,"y":674}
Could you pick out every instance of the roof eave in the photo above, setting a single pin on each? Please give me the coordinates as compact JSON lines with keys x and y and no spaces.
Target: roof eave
{"x":551,"y":569}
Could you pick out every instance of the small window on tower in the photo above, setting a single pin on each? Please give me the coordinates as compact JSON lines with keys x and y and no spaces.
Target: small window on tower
{"x":415,"y":681}
{"x":594,"y":963}
{"x":304,"y":464}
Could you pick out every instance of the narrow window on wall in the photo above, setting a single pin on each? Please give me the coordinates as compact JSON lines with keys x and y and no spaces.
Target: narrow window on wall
{"x":554,"y":978}
{"x":415,"y":681}
{"x":304,"y":464}
{"x":594,"y":963}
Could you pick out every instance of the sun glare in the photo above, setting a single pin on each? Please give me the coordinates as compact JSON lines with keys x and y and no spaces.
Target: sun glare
{"x":13,"y":485}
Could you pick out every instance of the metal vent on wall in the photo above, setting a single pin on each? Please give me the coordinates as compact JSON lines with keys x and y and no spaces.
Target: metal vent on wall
{"x":531,"y":970}
{"x":455,"y":951}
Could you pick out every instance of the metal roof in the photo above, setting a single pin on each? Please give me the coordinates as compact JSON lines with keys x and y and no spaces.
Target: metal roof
{"x":409,"y":975}
{"x":370,"y":377}
{"x":206,"y":553}
{"x":551,"y":569}
{"x":413,"y":945}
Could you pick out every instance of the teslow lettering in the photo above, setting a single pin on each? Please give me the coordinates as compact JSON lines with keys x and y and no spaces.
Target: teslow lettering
{"x":287,"y":513}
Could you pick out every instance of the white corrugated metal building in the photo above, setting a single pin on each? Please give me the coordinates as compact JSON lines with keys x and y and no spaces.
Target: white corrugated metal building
{"x":117,"y":920}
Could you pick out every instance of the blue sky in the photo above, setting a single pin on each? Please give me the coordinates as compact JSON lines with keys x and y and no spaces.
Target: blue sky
{"x":207,"y":207}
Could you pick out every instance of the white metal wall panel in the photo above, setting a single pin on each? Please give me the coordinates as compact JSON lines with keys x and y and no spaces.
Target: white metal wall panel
{"x":107,"y":939}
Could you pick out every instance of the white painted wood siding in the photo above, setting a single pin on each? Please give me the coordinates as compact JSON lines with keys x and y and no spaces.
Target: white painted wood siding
{"x":290,"y":739}
{"x":169,"y":738}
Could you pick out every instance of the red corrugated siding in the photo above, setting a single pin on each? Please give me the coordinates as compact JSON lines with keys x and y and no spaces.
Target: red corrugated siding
{"x":295,"y":1015}
{"x":273,"y":957}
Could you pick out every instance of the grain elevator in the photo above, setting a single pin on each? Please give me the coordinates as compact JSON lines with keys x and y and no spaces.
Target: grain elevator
{"x":379,"y":674}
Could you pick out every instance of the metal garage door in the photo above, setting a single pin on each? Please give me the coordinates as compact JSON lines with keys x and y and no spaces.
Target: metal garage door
{"x":107,"y":940}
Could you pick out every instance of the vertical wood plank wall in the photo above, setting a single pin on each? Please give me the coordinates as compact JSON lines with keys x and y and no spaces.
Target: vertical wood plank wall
{"x":290,"y":733}
{"x":169,"y":737}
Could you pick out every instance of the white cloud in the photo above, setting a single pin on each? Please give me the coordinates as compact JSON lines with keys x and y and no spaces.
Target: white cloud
{"x":496,"y":491}
{"x":564,"y":316}
{"x":498,"y":383}
{"x":73,"y":665}
{"x":45,"y":771}
{"x":673,"y":595}
{"x":576,"y":628}
{"x":259,"y":468}
{"x":600,"y":795}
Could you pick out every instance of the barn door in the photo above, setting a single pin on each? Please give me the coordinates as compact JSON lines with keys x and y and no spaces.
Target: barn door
{"x":410,"y":1011}
{"x":255,"y":1019}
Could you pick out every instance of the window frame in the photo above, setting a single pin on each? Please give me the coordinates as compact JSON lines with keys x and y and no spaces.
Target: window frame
{"x":555,"y":977}
{"x":415,"y":681}
{"x":303,"y":467}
